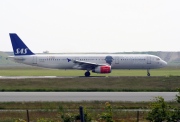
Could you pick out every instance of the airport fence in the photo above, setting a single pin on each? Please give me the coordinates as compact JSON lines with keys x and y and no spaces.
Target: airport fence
{"x":73,"y":115}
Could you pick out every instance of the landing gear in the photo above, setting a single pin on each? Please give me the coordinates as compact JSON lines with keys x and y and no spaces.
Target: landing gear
{"x":87,"y":74}
{"x":148,"y":73}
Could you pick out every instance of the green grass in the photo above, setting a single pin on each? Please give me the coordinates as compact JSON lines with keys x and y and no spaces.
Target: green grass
{"x":50,"y":72}
{"x":169,"y":80}
{"x":75,"y":105}
{"x":170,"y":83}
{"x":53,"y":110}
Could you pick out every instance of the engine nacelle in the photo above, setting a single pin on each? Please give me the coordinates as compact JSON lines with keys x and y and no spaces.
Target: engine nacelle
{"x":102,"y":69}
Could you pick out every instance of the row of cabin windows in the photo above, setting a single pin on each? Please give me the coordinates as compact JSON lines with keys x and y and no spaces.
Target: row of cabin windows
{"x":66,"y":59}
{"x":133,"y":59}
{"x":83,"y":59}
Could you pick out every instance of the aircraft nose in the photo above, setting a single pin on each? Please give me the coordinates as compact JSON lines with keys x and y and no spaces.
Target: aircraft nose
{"x":164,"y":63}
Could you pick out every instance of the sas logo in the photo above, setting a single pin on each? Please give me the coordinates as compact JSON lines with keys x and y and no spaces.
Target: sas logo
{"x":21,"y":51}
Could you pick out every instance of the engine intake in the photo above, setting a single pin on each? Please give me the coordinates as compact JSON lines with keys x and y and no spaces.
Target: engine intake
{"x":102,"y":69}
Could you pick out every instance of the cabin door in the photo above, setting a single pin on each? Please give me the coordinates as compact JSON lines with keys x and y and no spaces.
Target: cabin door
{"x":34,"y":60}
{"x":116,"y":60}
{"x":148,"y":60}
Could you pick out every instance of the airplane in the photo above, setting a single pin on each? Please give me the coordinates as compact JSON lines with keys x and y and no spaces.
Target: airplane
{"x":97,"y":63}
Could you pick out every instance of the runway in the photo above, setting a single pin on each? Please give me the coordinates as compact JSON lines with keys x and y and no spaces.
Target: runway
{"x":35,"y":77}
{"x":84,"y":96}
{"x":28,"y":77}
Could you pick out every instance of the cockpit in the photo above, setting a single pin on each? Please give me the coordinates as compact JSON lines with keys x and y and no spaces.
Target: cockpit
{"x":158,"y":59}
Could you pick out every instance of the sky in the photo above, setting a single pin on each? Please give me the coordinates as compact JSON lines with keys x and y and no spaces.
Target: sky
{"x":91,"y":25}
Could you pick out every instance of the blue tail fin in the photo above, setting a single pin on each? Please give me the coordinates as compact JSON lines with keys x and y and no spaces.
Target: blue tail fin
{"x":18,"y":45}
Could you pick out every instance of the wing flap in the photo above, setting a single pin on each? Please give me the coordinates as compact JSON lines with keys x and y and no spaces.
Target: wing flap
{"x":86,"y":65}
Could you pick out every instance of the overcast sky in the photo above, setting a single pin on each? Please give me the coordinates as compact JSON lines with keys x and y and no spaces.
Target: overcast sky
{"x":91,"y":25}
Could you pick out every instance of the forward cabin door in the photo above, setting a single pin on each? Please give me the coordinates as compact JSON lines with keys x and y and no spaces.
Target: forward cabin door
{"x":148,"y":59}
{"x":34,"y":59}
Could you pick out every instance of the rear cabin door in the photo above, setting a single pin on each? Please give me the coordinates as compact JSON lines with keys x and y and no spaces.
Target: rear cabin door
{"x":117,"y":60}
{"x":34,"y":59}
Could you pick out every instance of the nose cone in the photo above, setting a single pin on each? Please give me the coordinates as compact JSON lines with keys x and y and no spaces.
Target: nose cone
{"x":164,"y":63}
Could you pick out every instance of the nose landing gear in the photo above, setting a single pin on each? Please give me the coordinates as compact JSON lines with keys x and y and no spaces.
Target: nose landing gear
{"x":148,"y":73}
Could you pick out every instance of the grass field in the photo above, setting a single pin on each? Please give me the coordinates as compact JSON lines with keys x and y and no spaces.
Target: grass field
{"x":53,"y":110}
{"x":50,"y":72}
{"x":92,"y":84}
{"x":167,"y":79}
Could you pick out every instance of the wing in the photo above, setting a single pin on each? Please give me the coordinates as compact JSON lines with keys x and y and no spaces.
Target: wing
{"x":86,"y":65}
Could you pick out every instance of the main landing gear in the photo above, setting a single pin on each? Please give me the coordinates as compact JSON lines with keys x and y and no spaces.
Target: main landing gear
{"x":148,"y":73}
{"x":87,"y":73}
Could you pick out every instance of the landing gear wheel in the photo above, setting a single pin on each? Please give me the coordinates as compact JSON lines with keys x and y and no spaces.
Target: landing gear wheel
{"x":148,"y":73}
{"x":87,"y":74}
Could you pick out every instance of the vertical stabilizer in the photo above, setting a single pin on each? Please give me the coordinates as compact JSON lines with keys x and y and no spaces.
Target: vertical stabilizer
{"x":18,"y":45}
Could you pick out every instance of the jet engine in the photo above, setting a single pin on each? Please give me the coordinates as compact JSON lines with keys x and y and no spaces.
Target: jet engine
{"x":102,"y":69}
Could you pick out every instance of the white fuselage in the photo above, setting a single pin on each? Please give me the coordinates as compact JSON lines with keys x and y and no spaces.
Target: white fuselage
{"x":117,"y":61}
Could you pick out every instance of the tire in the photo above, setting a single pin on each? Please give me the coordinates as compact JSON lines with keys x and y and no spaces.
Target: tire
{"x":87,"y":74}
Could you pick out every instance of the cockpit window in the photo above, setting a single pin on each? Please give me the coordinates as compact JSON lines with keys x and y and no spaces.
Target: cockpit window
{"x":158,"y":59}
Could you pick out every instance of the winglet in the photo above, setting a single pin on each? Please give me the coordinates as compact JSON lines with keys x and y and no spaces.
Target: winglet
{"x":18,"y":45}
